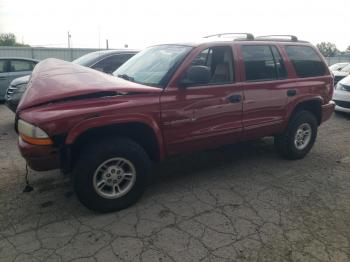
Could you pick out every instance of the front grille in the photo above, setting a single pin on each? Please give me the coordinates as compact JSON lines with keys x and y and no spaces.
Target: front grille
{"x":10,"y":91}
{"x":343,"y":104}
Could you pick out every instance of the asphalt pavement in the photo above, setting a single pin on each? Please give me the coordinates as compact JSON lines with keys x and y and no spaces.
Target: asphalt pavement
{"x":237,"y":203}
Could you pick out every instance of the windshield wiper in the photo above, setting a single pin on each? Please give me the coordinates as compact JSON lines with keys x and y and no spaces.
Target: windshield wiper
{"x":126,"y":77}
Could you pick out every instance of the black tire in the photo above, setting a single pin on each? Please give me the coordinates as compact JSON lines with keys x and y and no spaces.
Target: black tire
{"x":285,"y":142}
{"x":92,"y":156}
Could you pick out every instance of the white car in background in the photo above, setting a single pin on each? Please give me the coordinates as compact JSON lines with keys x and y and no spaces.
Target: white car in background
{"x":341,"y":95}
{"x":338,"y":66}
{"x":340,"y":74}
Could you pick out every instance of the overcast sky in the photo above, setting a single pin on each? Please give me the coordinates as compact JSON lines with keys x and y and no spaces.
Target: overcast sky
{"x":142,"y":23}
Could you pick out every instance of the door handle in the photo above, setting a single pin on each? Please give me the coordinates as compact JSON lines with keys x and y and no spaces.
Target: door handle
{"x":291,"y":92}
{"x":2,"y":78}
{"x":235,"y":98}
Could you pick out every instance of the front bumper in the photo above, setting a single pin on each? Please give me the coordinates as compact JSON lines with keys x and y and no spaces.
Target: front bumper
{"x":39,"y":158}
{"x":342,"y":100}
{"x":327,"y":111}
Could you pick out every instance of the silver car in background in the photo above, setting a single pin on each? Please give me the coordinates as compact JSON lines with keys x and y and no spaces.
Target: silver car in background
{"x":106,"y":61}
{"x":11,"y":68}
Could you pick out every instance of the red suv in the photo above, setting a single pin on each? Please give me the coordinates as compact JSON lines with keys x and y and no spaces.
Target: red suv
{"x":170,"y":99}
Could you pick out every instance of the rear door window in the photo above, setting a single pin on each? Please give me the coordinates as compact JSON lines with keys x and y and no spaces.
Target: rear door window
{"x":306,"y":61}
{"x":21,"y":65}
{"x":280,"y":68}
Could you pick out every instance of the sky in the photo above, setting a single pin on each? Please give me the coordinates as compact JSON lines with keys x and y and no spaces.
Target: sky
{"x":140,"y":23}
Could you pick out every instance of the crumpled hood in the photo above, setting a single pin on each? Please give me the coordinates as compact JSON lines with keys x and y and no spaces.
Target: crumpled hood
{"x":20,"y":80}
{"x":56,"y":80}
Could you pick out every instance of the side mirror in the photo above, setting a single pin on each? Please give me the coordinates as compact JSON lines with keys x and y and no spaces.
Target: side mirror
{"x":196,"y":75}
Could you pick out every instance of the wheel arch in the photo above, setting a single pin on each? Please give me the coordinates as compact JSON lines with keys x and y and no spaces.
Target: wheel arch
{"x":146,"y":133}
{"x":313,"y":105}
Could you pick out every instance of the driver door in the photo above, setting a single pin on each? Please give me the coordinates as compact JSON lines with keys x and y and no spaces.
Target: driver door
{"x":204,"y":115}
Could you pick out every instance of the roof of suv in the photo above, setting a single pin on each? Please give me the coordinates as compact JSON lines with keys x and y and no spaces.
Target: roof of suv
{"x":249,"y":39}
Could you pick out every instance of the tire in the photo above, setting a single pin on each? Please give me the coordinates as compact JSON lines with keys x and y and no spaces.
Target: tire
{"x":99,"y":162}
{"x":286,"y":143}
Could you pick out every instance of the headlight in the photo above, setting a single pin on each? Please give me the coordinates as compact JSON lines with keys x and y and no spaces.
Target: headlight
{"x":21,"y":88}
{"x":33,"y":134}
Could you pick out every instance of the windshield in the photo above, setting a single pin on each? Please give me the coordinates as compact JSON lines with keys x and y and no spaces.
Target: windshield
{"x":154,"y":65}
{"x":87,"y":59}
{"x":346,"y":69}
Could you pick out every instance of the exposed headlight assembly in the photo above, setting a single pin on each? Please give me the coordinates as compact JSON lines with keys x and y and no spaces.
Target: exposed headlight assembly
{"x":32,"y":134}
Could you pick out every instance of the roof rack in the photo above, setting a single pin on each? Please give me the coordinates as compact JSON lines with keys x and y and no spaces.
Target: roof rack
{"x":292,"y":38}
{"x":248,"y":36}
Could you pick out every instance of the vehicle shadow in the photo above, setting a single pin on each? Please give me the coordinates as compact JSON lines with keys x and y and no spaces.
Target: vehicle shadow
{"x":342,"y":115}
{"x":195,"y":164}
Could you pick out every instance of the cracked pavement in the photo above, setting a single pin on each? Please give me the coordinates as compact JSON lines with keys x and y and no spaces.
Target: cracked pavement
{"x":237,"y":203}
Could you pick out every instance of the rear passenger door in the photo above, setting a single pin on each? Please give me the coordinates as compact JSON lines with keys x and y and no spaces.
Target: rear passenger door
{"x":265,"y":93}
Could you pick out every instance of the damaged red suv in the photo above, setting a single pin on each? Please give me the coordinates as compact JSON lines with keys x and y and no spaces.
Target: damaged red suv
{"x":170,"y":99}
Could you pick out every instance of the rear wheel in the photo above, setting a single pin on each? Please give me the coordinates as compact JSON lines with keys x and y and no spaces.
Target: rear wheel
{"x":299,"y":137}
{"x":111,"y":174}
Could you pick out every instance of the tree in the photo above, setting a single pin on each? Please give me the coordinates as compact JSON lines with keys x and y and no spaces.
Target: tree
{"x":9,"y":39}
{"x":348,"y":49}
{"x":327,"y":48}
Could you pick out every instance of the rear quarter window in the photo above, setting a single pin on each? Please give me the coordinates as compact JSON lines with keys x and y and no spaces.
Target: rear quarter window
{"x":306,"y":61}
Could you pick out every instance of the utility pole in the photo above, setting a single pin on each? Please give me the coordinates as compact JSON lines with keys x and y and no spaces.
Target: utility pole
{"x":107,"y":44}
{"x":69,"y":36}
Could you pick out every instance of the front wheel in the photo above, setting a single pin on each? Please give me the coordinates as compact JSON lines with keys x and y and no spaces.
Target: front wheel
{"x":111,"y":174}
{"x":299,"y":137}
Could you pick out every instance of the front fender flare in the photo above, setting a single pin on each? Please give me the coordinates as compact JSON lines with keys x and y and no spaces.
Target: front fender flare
{"x":103,"y":121}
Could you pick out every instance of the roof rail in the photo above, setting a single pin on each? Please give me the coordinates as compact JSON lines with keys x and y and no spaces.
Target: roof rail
{"x":248,"y":36}
{"x":292,"y":38}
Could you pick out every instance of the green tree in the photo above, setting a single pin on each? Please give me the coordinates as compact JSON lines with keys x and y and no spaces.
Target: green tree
{"x":9,"y":39}
{"x":348,"y":49}
{"x":327,"y":48}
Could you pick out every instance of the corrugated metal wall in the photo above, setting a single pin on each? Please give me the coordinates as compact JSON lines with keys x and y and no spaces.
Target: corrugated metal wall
{"x":70,"y":54}
{"x":43,"y":52}
{"x":337,"y":59}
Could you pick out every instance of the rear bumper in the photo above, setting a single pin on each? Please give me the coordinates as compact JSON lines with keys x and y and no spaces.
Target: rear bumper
{"x":39,"y":158}
{"x":327,"y":111}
